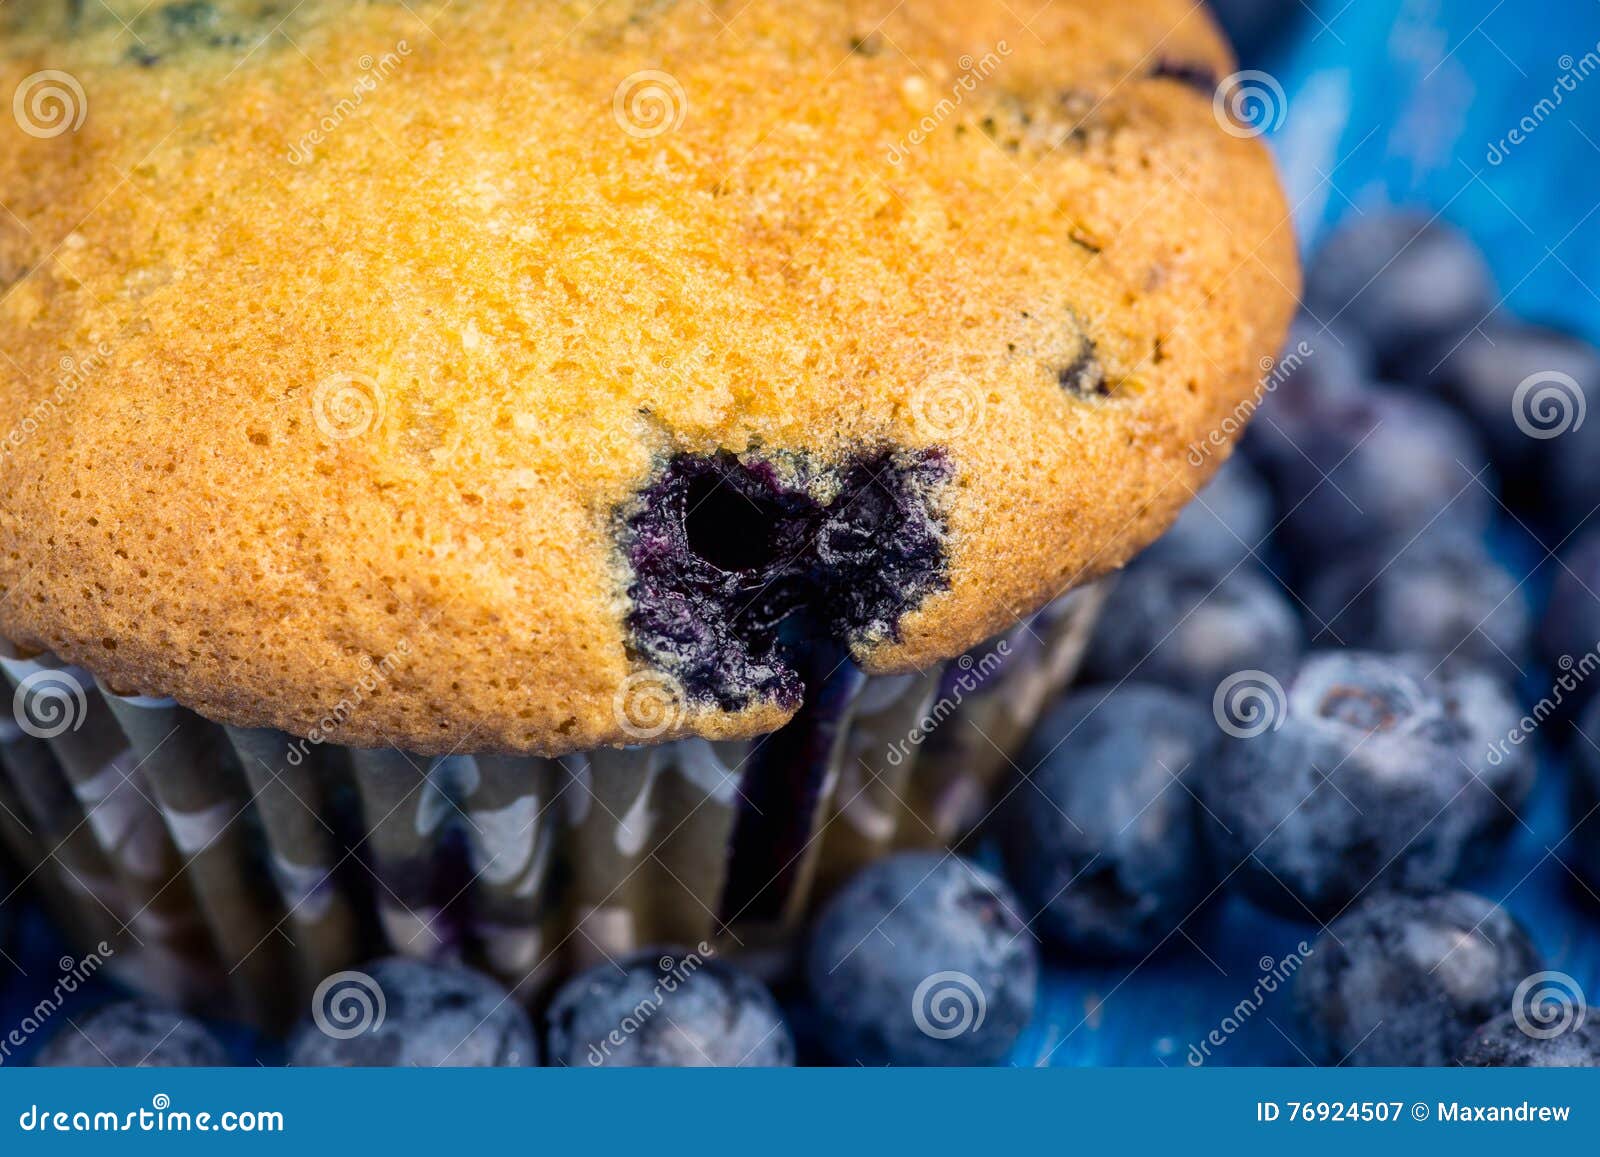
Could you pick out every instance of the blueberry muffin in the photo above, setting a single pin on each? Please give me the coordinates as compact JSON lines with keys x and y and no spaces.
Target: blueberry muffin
{"x":439,"y":391}
{"x":569,"y":348}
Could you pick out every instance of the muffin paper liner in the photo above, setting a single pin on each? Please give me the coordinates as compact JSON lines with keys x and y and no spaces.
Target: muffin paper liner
{"x":234,"y":869}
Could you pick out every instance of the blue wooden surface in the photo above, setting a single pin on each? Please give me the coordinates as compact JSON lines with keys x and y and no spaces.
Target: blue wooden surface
{"x":1387,"y":102}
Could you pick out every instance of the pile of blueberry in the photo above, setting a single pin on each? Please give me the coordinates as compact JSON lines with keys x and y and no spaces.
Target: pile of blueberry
{"x":1326,"y":686}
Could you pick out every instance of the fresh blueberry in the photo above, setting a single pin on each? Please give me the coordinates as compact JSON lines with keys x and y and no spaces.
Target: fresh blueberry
{"x":1570,"y":631}
{"x":1188,"y":629}
{"x":1404,"y":979}
{"x":664,"y":1008}
{"x":1227,"y":522}
{"x":1504,"y":1043}
{"x":725,"y":550}
{"x":1441,"y":594}
{"x":922,"y":959}
{"x":1103,"y":841}
{"x":1482,"y":373}
{"x":1359,"y":776}
{"x":1371,"y":463}
{"x":134,"y":1034}
{"x":397,"y":1012}
{"x":1401,"y":279}
{"x":1479,"y":714}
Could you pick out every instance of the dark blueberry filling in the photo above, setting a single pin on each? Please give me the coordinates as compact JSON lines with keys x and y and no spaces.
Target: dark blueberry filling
{"x":731,"y":561}
{"x":180,"y":25}
{"x":779,"y":795}
{"x":1085,"y":375}
{"x":1200,"y":77}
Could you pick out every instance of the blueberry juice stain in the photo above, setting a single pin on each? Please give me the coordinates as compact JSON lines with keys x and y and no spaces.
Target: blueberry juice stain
{"x":750,"y":586}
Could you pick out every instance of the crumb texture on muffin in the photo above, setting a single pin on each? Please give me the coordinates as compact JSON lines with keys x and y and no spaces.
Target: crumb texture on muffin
{"x":341,"y":332}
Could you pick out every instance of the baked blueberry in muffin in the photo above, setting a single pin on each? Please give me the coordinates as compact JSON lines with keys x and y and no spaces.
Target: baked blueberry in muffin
{"x":729,"y":557}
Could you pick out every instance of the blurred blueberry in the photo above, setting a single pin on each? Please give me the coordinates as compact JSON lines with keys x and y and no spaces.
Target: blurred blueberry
{"x":398,"y":1012}
{"x":1321,"y":357}
{"x":1227,"y":521}
{"x":1404,"y":979}
{"x":133,"y":1034}
{"x":1104,"y":842}
{"x":1254,"y":24}
{"x":922,"y":959}
{"x":1482,"y":372}
{"x":1441,"y":594}
{"x":1570,"y":630}
{"x":663,"y":1008}
{"x":1374,"y":463}
{"x":1317,"y":367}
{"x":1503,"y":1043}
{"x":1188,"y":628}
{"x":1400,"y":279}
{"x":1358,"y":776}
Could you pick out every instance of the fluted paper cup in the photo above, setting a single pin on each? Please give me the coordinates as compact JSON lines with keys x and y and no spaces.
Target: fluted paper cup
{"x":235,"y":869}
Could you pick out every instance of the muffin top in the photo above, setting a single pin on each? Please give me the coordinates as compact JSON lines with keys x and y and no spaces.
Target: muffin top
{"x":462,"y":377}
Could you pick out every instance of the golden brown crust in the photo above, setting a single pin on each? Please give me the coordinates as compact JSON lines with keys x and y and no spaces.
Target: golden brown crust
{"x":538,"y":305}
